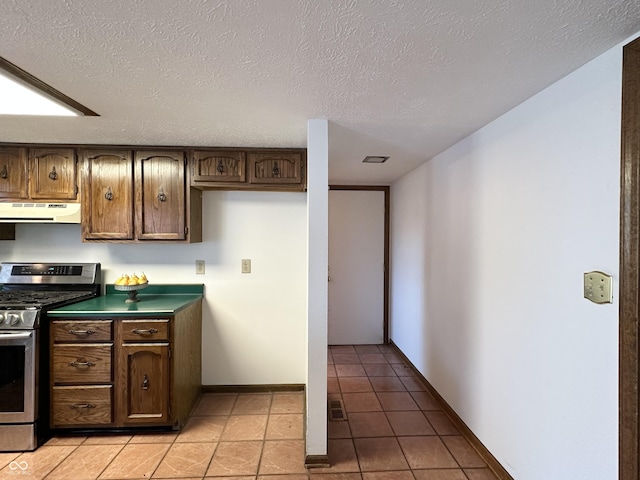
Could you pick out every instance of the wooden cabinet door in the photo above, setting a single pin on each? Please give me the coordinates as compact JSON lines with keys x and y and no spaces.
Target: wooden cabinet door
{"x":13,"y":173}
{"x":160,"y":195}
{"x":275,"y":168}
{"x":218,"y":166}
{"x":53,"y":174}
{"x":143,"y":380}
{"x":107,"y":195}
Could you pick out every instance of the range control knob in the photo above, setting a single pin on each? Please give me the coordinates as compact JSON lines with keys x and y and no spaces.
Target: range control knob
{"x":13,"y":319}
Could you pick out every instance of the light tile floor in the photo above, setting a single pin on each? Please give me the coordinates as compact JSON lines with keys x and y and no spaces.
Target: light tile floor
{"x":394,"y":430}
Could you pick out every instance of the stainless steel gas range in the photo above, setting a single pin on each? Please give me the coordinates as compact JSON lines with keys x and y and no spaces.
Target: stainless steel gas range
{"x":28,"y":291}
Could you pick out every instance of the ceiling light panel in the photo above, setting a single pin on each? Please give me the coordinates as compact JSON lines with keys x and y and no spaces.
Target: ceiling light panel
{"x":18,"y":99}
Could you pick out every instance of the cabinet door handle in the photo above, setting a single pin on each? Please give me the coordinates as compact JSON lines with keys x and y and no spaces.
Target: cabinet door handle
{"x":148,"y":331}
{"x":109,"y":194}
{"x":145,"y":382}
{"x":83,"y":405}
{"x":81,"y":332}
{"x":161,"y":196}
{"x":4,"y":173}
{"x":53,"y":175}
{"x":82,"y":364}
{"x":275,"y":171}
{"x":220,"y":167}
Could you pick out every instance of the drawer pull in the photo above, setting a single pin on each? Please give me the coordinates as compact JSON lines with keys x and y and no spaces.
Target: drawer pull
{"x":82,"y":332}
{"x":83,"y":405}
{"x":145,"y":383}
{"x":82,"y":364}
{"x":147,"y":331}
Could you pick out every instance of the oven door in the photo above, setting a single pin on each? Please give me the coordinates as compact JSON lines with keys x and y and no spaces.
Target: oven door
{"x":18,"y":389}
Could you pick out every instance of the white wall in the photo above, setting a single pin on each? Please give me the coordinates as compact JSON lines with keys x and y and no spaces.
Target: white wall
{"x":254,"y":325}
{"x":489,"y":244}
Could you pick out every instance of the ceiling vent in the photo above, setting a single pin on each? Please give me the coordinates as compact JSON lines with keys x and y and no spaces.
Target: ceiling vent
{"x":374,"y":159}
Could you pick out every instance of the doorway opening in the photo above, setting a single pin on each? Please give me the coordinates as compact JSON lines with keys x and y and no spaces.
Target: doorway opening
{"x":381,"y":229}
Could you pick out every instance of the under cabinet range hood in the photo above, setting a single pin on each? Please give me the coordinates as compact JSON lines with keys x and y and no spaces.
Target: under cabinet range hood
{"x":39,"y":212}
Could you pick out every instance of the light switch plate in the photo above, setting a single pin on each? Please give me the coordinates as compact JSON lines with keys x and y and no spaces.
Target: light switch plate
{"x":597,"y":287}
{"x":199,"y":267}
{"x":246,"y":265}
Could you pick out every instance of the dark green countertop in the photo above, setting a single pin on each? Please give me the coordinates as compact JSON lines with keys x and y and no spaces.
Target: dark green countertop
{"x":154,"y":300}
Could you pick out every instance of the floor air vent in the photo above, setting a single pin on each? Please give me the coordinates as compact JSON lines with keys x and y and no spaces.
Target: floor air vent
{"x":336,"y":411}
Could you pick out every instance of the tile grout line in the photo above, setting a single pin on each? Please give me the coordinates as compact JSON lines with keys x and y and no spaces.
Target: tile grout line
{"x":395,"y":436}
{"x":97,"y":445}
{"x":264,"y":439}
{"x":226,"y":422}
{"x":60,"y":462}
{"x":163,"y":456}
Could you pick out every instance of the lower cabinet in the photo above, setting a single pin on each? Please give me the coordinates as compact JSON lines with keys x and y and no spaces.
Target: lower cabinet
{"x":122,"y":372}
{"x":143,"y":373}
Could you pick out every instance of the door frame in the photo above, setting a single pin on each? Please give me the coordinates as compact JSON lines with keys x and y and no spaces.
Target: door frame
{"x":387,"y":203}
{"x":629,"y":327}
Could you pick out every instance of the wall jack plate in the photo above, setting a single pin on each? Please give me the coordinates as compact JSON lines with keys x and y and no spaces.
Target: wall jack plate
{"x":246,"y":265}
{"x":597,"y":287}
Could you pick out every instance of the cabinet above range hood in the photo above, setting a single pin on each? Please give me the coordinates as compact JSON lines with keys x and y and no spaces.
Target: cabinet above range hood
{"x":39,"y":212}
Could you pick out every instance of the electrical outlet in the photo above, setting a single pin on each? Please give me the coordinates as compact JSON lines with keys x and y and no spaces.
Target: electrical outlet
{"x":597,"y":287}
{"x":199,"y":267}
{"x":246,"y":265}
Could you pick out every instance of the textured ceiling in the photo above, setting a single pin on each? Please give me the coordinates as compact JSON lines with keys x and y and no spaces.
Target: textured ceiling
{"x":406,"y":78}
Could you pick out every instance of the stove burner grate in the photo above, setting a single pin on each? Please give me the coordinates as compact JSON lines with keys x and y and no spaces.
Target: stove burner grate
{"x":35,"y":298}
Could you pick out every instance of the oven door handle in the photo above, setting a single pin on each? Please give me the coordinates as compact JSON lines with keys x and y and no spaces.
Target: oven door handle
{"x":12,"y":335}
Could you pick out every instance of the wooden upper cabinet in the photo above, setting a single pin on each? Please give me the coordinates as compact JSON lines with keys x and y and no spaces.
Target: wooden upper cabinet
{"x":160,"y":195}
{"x":218,"y":166}
{"x":53,"y":174}
{"x":38,"y":174}
{"x":107,"y":195}
{"x":275,"y":168}
{"x":13,"y":173}
{"x":139,"y":196}
{"x":249,"y":169}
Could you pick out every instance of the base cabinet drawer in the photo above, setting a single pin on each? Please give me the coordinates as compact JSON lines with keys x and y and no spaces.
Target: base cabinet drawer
{"x":82,"y":406}
{"x":84,"y":363}
{"x":148,"y":330}
{"x":79,"y":331}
